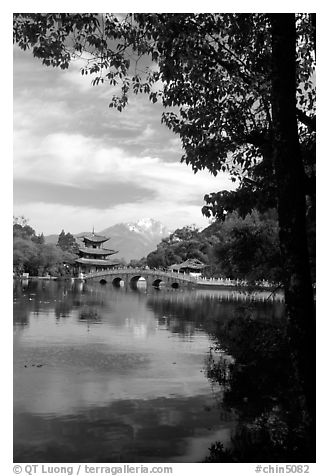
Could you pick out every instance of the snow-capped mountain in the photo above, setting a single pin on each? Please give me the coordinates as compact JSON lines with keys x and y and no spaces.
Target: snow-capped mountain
{"x":135,"y":240}
{"x":148,"y":226}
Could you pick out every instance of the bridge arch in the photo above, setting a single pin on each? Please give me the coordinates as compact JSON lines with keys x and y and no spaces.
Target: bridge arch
{"x":156,"y":283}
{"x":103,"y":281}
{"x":133,"y":281}
{"x":175,"y":285}
{"x":117,"y":281}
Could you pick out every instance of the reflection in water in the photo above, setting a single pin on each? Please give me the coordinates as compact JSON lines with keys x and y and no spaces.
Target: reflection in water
{"x":259,"y":383}
{"x":186,"y":313}
{"x":109,"y":375}
{"x":160,"y":429}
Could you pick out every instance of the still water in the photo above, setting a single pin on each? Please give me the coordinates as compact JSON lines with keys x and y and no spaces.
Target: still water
{"x":110,"y":375}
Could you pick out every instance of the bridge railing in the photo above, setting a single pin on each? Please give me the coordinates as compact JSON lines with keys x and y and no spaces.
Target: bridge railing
{"x":138,"y":271}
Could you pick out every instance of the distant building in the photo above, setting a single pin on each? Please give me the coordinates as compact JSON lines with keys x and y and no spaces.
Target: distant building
{"x":92,"y":256}
{"x":191,"y":266}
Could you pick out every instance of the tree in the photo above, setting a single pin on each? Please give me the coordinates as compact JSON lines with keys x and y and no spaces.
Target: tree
{"x":289,"y":176}
{"x":25,"y":247}
{"x":248,"y":248}
{"x":244,"y":88}
{"x":51,"y":259}
{"x":39,"y":239}
{"x":67,"y":242}
{"x":238,"y":248}
{"x":21,"y":229}
{"x":137,"y":263}
{"x":25,"y":256}
{"x":33,"y":256}
{"x":185,"y":243}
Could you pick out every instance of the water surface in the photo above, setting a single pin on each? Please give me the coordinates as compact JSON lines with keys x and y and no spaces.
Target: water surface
{"x":110,"y":375}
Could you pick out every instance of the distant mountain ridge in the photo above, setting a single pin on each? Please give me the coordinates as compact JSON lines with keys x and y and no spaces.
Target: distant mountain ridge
{"x":132,"y":240}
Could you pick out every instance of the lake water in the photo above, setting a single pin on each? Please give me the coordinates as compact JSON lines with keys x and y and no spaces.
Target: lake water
{"x":110,"y":375}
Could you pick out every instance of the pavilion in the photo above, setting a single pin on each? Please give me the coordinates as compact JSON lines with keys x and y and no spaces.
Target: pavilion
{"x":191,"y":266}
{"x":92,"y":256}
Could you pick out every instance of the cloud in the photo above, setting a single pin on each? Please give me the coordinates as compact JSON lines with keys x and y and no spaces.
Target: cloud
{"x":77,"y":162}
{"x":51,"y":100}
{"x":98,"y":195}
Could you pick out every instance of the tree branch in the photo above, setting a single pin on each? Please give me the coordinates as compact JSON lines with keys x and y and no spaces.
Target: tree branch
{"x":310,"y":122}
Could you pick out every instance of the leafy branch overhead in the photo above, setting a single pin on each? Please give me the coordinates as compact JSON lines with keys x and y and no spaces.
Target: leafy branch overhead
{"x":212,"y":73}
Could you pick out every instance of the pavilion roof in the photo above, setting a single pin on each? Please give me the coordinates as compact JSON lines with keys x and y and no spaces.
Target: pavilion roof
{"x":94,"y":238}
{"x":192,"y":263}
{"x":97,"y":262}
{"x":97,"y":251}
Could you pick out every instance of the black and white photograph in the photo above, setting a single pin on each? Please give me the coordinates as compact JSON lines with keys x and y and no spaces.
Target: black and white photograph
{"x":164,"y":237}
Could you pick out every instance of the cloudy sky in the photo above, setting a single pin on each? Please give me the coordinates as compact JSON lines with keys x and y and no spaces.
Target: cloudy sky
{"x":79,"y":164}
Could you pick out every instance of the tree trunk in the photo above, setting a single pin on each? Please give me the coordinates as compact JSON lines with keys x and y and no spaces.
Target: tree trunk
{"x":289,"y":175}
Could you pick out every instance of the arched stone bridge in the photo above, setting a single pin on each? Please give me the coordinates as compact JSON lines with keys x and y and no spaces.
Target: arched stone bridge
{"x":130,"y":276}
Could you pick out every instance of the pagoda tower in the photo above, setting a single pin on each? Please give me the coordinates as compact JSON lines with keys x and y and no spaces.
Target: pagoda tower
{"x":92,"y":256}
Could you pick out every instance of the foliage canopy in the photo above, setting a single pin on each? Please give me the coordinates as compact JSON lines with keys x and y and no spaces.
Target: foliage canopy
{"x":32,"y":255}
{"x":212,"y":73}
